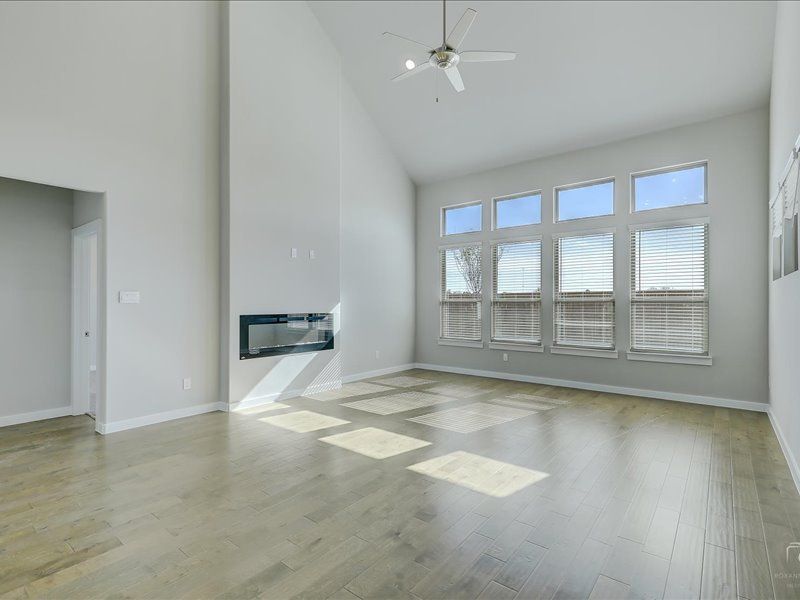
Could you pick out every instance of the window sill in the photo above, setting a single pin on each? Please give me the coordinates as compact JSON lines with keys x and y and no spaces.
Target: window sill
{"x":684,"y":359}
{"x":516,"y":347}
{"x":594,"y":352}
{"x":461,"y":343}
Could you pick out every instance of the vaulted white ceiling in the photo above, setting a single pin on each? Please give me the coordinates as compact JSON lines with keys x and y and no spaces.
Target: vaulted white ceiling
{"x":586,"y":73}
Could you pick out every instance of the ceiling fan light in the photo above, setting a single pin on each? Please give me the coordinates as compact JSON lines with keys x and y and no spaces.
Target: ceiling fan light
{"x":410,"y":64}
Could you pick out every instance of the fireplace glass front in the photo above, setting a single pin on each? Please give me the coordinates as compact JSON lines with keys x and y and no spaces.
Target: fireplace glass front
{"x":270,"y":335}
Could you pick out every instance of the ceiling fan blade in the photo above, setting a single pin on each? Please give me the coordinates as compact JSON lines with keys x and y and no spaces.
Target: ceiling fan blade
{"x":406,"y":39}
{"x":459,"y":32}
{"x":490,"y":56}
{"x":420,"y":67}
{"x":455,"y":78}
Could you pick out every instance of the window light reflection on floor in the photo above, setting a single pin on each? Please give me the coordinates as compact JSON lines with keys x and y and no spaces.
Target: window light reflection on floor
{"x":374,"y":442}
{"x":475,"y":472}
{"x":303,"y":421}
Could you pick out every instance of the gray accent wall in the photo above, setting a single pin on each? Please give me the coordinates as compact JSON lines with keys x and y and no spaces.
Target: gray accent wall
{"x":377,"y":248}
{"x":283,"y":187}
{"x":736,"y":149}
{"x":35,"y":297}
{"x":784,"y":294}
{"x":122,"y":98}
{"x":306,"y":169}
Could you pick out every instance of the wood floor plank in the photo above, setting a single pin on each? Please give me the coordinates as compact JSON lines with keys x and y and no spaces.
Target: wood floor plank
{"x":719,"y":573}
{"x":752,"y":569}
{"x":686,"y":567}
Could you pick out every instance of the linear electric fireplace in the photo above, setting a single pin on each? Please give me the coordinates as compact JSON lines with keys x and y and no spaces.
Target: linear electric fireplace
{"x":269,"y":335}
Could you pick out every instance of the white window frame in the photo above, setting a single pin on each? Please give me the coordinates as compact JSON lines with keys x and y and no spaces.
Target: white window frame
{"x":581,"y":184}
{"x":497,"y":199}
{"x":669,"y":169}
{"x":443,"y":219}
{"x":507,"y":344}
{"x":557,"y":348}
{"x":442,"y":341}
{"x":671,"y":357}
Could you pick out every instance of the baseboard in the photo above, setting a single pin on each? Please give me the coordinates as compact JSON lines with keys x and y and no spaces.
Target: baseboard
{"x":598,"y":387}
{"x":794,"y":468}
{"x":161,"y":417}
{"x":284,"y":395}
{"x":38,"y":415}
{"x":376,"y":373}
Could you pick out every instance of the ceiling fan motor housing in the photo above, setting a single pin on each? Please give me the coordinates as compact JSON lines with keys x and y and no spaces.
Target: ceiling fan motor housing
{"x":444,"y":58}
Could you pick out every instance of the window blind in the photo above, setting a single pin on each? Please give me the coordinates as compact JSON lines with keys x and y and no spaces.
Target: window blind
{"x":669,"y":289}
{"x":583,"y":294}
{"x":460,"y":302}
{"x":517,"y":292}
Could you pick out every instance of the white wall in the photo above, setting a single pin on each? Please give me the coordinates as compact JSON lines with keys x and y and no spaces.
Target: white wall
{"x":784,"y":294}
{"x":377,"y":248}
{"x":283,"y":174}
{"x":735,"y":147}
{"x":122,"y":97}
{"x":35,"y":298}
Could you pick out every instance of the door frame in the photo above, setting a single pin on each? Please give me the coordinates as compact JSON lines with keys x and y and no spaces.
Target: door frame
{"x":79,"y":363}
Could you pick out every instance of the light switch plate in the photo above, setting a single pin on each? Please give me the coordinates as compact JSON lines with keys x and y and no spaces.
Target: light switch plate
{"x":312,"y":254}
{"x":187,"y":383}
{"x":294,"y":253}
{"x":129,"y":297}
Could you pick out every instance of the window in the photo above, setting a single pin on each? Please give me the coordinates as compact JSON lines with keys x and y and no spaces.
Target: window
{"x":583,"y":200}
{"x":583,"y":298}
{"x":465,"y":218}
{"x":669,"y":289}
{"x":790,"y":245}
{"x":776,"y":234}
{"x":517,"y":292}
{"x":460,"y":305}
{"x":518,"y":210}
{"x":675,"y":186}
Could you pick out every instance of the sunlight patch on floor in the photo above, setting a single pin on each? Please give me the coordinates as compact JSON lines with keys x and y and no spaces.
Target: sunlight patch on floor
{"x":529,"y":401}
{"x":303,"y":421}
{"x":457,"y":391}
{"x":538,"y":398}
{"x":262,"y":408}
{"x":472,"y":417}
{"x":348,"y":390}
{"x":374,"y":442}
{"x":404,"y":381}
{"x":395,"y":403}
{"x":475,"y":472}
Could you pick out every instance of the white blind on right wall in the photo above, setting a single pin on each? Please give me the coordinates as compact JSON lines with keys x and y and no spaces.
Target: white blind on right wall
{"x":669,"y":289}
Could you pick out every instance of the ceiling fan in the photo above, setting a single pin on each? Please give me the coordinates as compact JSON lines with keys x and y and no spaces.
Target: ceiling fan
{"x":447,"y":56}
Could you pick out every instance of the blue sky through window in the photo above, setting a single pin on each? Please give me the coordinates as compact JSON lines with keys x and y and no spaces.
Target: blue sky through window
{"x":522,"y":210}
{"x":674,"y":188}
{"x":519,"y":267}
{"x":588,"y":201}
{"x":462,"y":219}
{"x":586,"y":263}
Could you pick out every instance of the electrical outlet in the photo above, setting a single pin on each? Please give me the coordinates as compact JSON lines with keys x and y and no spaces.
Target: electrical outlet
{"x":505,"y":356}
{"x":187,"y":383}
{"x":312,"y":254}
{"x":293,"y":253}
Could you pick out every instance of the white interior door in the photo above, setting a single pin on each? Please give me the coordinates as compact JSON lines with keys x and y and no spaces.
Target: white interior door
{"x":85,"y":319}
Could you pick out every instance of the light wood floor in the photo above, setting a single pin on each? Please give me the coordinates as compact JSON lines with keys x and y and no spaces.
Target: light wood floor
{"x":575,"y":495}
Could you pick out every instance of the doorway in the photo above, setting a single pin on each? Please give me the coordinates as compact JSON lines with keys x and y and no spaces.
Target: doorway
{"x":85,"y":318}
